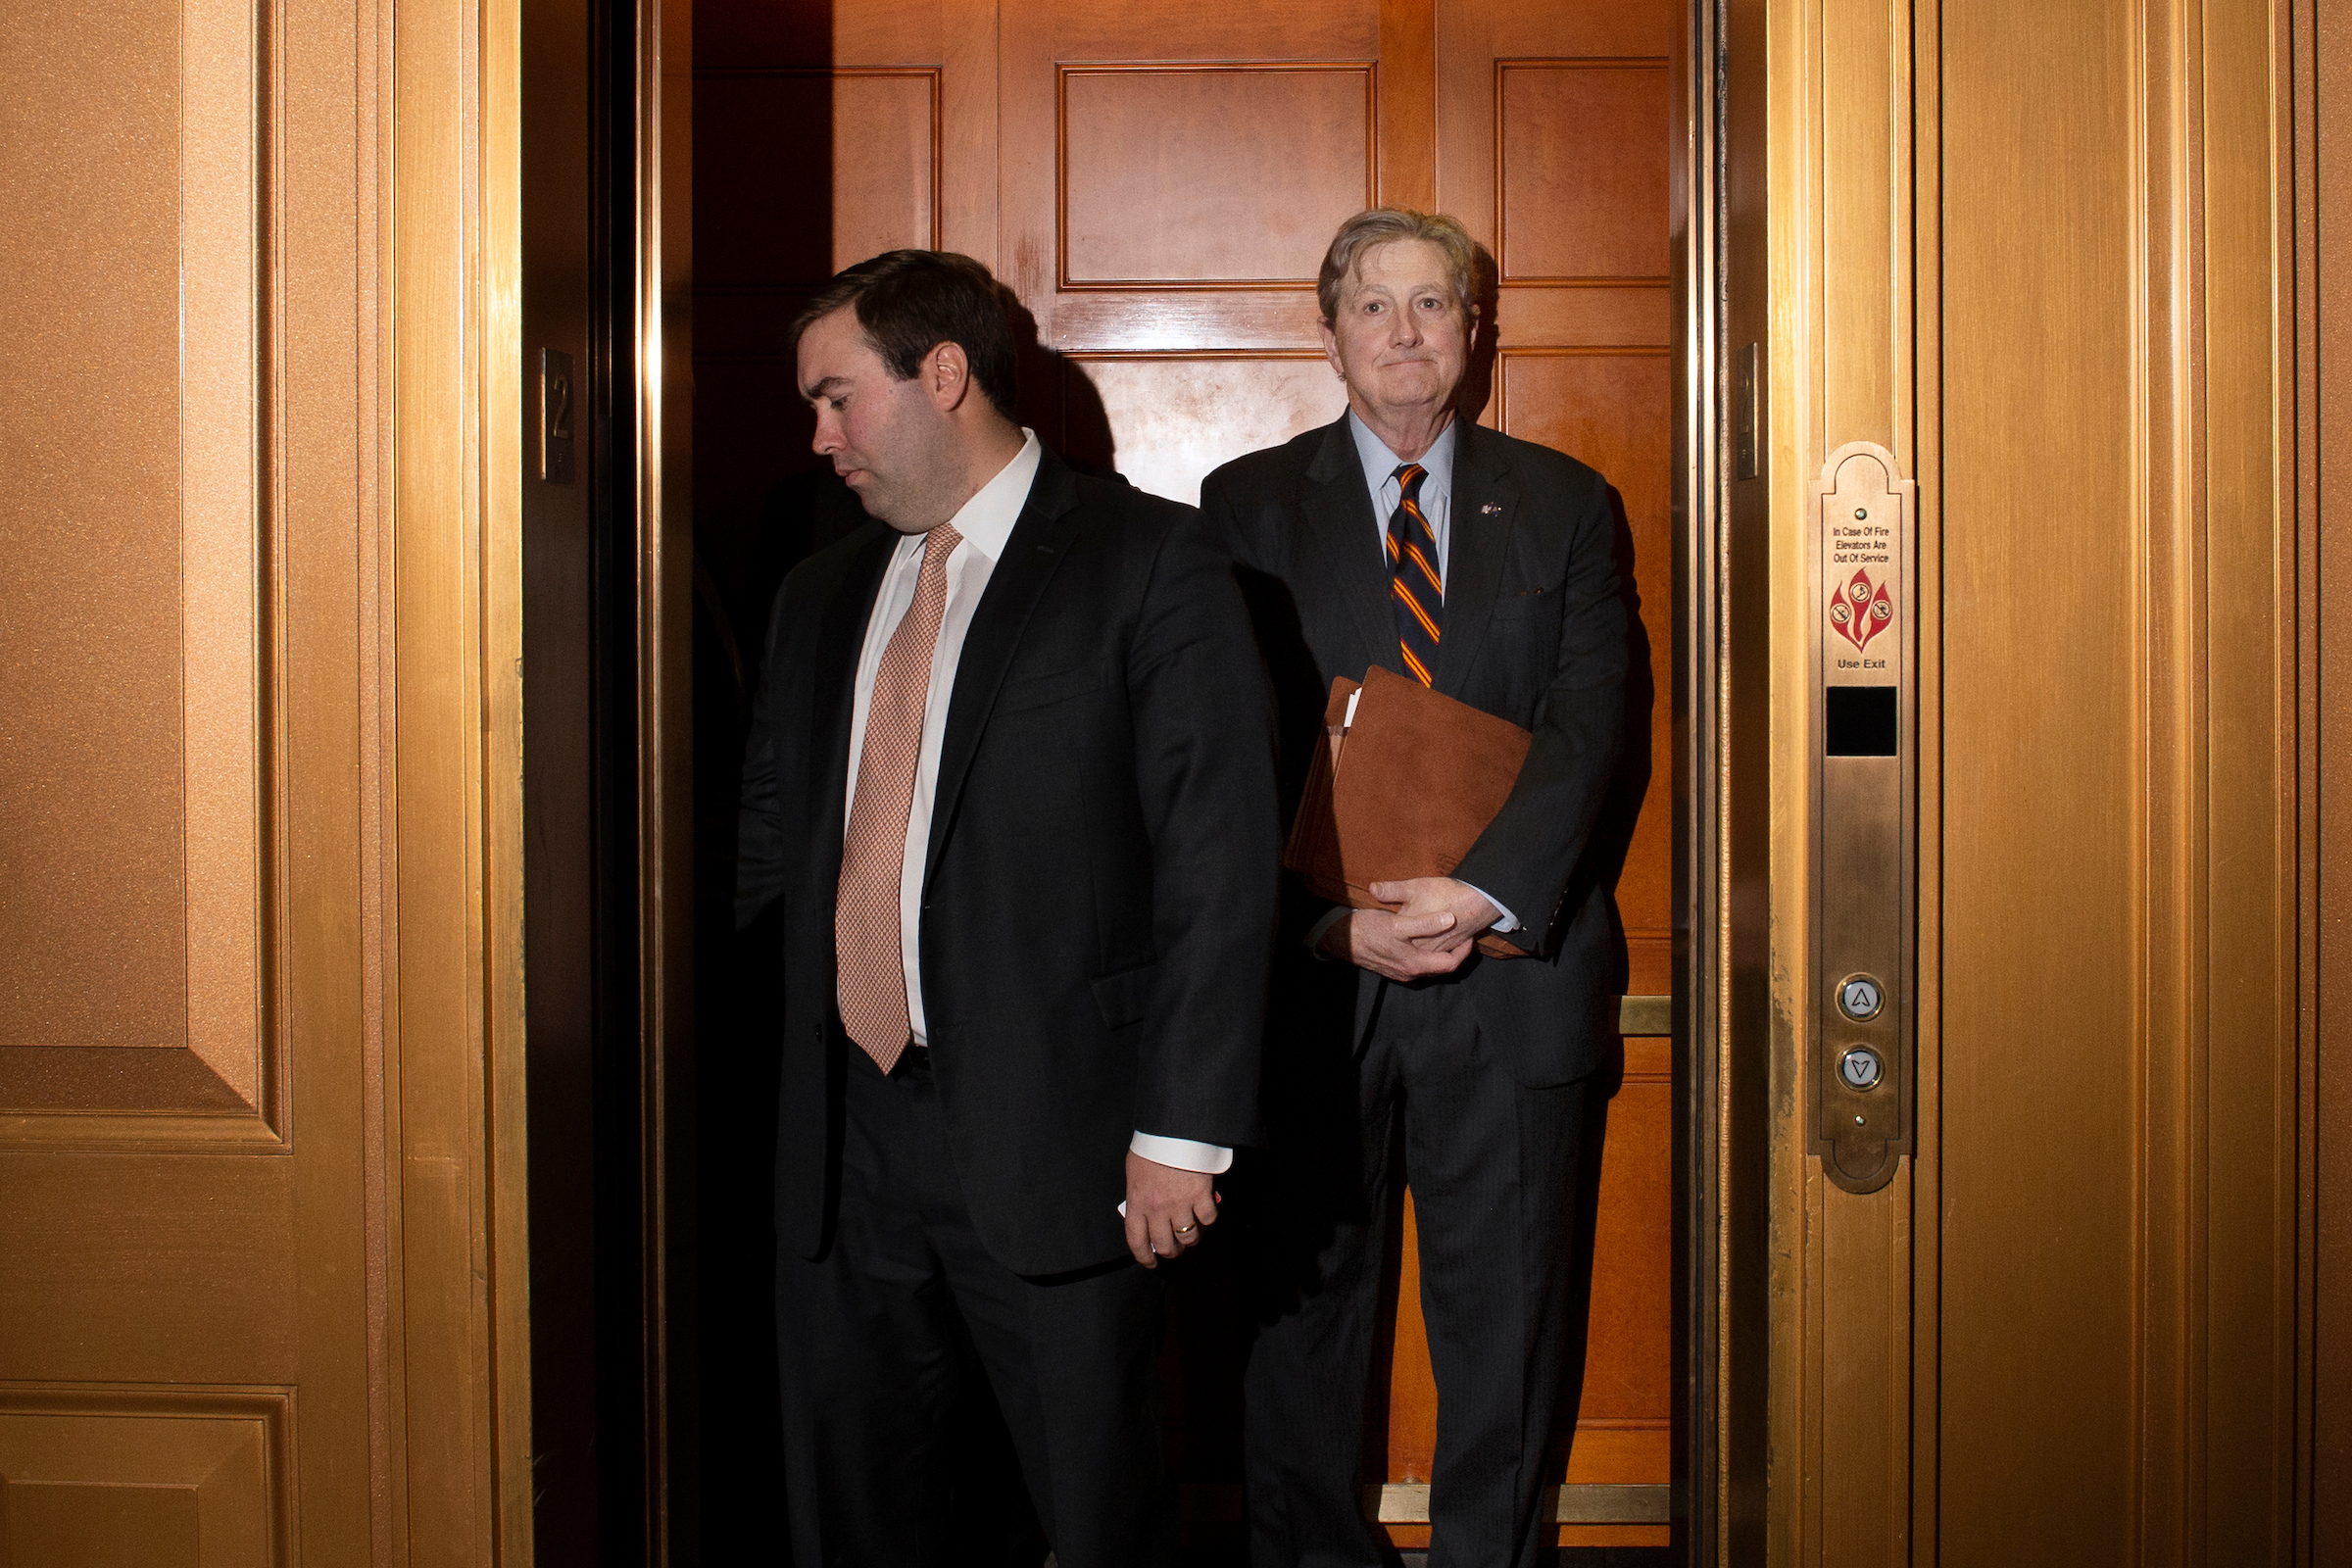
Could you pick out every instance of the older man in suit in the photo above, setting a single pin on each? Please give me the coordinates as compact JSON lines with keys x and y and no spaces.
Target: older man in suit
{"x":1484,"y":566}
{"x":1011,"y":777}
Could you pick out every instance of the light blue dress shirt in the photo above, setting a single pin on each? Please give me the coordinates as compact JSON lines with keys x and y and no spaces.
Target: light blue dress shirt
{"x":1436,"y":489}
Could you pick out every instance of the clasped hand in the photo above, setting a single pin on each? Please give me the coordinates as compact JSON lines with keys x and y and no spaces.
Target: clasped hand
{"x":1429,"y":932}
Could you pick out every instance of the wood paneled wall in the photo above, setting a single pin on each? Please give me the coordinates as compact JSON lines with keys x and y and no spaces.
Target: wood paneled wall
{"x":256,"y":1095}
{"x":2043,"y":253}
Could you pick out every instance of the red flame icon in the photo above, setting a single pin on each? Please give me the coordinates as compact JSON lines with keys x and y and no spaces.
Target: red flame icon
{"x":1862,"y":610}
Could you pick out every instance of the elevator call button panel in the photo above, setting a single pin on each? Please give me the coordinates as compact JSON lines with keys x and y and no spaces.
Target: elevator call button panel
{"x":1863,"y":734}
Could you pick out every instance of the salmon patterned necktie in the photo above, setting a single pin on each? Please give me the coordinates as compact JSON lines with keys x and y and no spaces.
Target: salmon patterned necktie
{"x":1416,"y":591}
{"x":866,"y":947}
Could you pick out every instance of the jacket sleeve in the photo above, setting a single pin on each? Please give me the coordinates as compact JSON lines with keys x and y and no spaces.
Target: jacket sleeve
{"x":1525,"y":857}
{"x":1203,"y":732}
{"x":761,"y":844}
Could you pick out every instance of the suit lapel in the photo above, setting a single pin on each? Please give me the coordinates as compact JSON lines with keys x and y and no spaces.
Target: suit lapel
{"x":1345,"y":544}
{"x":839,"y":642}
{"x":1032,"y":552}
{"x":1482,"y":509}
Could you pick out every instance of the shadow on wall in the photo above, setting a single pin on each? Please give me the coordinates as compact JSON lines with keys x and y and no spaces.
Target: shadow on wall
{"x":765,"y":502}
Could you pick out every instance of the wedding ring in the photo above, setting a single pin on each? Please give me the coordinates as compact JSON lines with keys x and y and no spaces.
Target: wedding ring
{"x":1185,"y":1229}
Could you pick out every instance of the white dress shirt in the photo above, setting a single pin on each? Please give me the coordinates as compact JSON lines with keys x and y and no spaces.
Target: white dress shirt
{"x":985,"y":524}
{"x":1435,"y":500}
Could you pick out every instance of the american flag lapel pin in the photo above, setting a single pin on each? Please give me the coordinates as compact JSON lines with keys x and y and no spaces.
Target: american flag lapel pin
{"x":1489,"y":509}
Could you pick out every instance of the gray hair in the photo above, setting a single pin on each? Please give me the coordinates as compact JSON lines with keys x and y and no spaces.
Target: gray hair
{"x":1386,"y":225}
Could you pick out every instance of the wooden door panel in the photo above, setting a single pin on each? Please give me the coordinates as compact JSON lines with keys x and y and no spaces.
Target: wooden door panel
{"x":816,"y":35}
{"x":1209,"y":177}
{"x":1481,"y":42}
{"x":825,"y":134}
{"x":1580,"y":170}
{"x":872,"y":135}
{"x":1170,"y":179}
{"x":1628,"y":1348}
{"x":147,"y":1267}
{"x":1174,"y":417}
{"x":1593,"y":314}
{"x":1626,"y":1388}
{"x":1225,"y":320}
{"x":129,"y":946}
{"x":1622,"y":1433}
{"x":213,"y":1062}
{"x":156,"y":1475}
{"x":148,"y":1233}
{"x":881,"y":188}
{"x":1613,"y":408}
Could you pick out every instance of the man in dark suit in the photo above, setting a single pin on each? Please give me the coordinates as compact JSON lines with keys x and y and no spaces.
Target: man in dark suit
{"x":1010,"y":780}
{"x":1485,"y":567}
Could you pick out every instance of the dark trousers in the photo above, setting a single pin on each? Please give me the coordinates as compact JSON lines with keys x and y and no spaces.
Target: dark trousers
{"x":1493,"y":1167}
{"x":877,"y":1339}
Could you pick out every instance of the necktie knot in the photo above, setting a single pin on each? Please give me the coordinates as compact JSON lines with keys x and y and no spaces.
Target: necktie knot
{"x":939,"y":544}
{"x":1408,"y":479}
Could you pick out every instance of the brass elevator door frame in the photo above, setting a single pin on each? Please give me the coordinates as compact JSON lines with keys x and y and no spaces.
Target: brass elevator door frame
{"x":1706,"y":788}
{"x":1705,"y":1145}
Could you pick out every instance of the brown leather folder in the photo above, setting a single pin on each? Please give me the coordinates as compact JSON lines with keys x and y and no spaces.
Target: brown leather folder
{"x":1403,"y":791}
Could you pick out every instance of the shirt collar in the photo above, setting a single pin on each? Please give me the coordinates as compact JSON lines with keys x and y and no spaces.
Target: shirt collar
{"x":1380,"y":463}
{"x":986,"y":520}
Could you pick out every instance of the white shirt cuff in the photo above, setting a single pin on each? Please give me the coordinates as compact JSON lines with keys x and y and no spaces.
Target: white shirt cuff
{"x":1182,"y":1154}
{"x":1505,"y":919}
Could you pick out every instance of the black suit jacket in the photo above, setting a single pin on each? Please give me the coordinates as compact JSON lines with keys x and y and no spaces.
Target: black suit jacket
{"x":1534,"y":631}
{"x":1100,"y":894}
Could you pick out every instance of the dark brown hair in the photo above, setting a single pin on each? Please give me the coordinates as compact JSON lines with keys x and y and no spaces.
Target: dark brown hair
{"x":909,"y":302}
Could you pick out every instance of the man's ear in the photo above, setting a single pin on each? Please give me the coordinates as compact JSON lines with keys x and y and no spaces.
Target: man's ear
{"x":947,"y":375}
{"x":1331,"y":351}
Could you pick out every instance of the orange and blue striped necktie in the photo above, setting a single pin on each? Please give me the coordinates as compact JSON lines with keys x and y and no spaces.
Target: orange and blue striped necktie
{"x":1416,"y":588}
